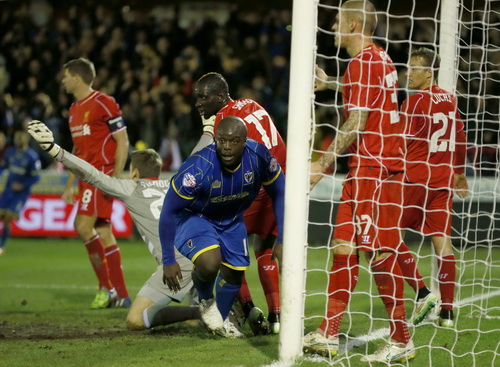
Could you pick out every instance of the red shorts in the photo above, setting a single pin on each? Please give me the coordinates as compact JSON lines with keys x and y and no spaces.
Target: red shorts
{"x":427,"y":210}
{"x":94,"y":201}
{"x":370,"y":210}
{"x":259,"y":218}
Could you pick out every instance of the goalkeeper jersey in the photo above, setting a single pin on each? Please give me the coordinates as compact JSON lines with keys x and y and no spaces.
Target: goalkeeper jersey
{"x":143,"y":199}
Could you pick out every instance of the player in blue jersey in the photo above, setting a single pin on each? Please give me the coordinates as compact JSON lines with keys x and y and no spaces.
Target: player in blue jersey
{"x":202,"y":216}
{"x":23,"y":165}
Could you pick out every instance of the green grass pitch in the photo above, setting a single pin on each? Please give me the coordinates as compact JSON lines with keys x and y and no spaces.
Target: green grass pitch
{"x":46,"y":286}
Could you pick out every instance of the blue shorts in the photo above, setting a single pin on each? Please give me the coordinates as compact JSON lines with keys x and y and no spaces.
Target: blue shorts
{"x":232,"y":241}
{"x":13,"y":201}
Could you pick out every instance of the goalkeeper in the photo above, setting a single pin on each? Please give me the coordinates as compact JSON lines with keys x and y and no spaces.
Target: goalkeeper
{"x":143,"y":196}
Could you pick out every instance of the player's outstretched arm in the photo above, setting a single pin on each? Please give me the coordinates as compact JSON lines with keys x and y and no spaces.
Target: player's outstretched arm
{"x":110,"y":185}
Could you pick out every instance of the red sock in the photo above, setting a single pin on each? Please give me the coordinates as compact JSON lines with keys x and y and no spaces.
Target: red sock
{"x":269,"y":278}
{"x":244,"y":296}
{"x":447,"y":274}
{"x":390,"y":284}
{"x":97,"y":258}
{"x":409,"y":268}
{"x":343,"y":279}
{"x":115,"y":270}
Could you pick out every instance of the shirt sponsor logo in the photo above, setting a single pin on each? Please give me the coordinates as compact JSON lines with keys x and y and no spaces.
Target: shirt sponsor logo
{"x":216,"y":184}
{"x":273,"y":165}
{"x":188,"y":180}
{"x":223,"y":199}
{"x":80,"y":130}
{"x":248,"y":176}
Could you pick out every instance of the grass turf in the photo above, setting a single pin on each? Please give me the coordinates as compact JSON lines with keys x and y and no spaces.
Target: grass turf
{"x":46,"y":287}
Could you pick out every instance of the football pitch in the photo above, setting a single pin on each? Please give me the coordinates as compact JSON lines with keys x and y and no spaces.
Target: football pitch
{"x":46,"y":286}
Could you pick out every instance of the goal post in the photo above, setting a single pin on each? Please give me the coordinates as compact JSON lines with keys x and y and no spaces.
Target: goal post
{"x":297,"y":177}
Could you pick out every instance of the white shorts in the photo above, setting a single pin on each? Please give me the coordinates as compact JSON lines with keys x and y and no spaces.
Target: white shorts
{"x":156,"y":291}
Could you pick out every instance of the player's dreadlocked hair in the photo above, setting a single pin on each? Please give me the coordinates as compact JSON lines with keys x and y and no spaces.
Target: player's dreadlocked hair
{"x":430,"y":59}
{"x":82,"y":67}
{"x":215,"y":82}
{"x":147,"y":161}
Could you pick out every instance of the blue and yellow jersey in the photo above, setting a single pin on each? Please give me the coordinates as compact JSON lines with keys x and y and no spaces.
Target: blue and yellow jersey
{"x":221,"y":195}
{"x":24,"y":167}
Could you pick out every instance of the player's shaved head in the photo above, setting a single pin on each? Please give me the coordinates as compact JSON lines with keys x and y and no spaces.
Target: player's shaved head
{"x":363,"y":12}
{"x":230,"y":141}
{"x":234,"y":126}
{"x":214,"y":82}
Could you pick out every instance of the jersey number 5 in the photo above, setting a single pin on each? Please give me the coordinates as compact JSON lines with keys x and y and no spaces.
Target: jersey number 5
{"x":437,"y":145}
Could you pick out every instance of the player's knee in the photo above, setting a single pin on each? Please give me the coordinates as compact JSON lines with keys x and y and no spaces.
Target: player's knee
{"x":135,"y":321}
{"x":84,"y":230}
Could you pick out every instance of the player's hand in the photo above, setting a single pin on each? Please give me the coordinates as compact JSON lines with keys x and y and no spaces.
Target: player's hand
{"x":277,"y":254}
{"x":208,"y":124}
{"x":320,"y":80}
{"x":461,"y":185}
{"x":316,"y":174}
{"x":172,"y":275}
{"x":43,"y":137}
{"x":68,"y":196}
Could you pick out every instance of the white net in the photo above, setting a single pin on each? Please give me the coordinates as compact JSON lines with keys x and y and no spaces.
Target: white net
{"x":475,"y":338}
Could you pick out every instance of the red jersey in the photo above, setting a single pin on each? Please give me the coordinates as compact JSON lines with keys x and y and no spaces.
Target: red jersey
{"x":260,"y":126}
{"x":370,"y":84}
{"x":433,"y":128}
{"x":92,"y":121}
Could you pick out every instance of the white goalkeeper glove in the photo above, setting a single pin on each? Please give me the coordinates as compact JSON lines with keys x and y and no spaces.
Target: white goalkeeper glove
{"x":208,"y":124}
{"x":44,"y":137}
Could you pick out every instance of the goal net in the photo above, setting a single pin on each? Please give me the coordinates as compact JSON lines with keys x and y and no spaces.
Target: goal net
{"x":466,"y":34}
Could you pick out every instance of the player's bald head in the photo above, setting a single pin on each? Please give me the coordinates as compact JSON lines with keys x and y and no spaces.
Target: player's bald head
{"x":362,"y":11}
{"x":234,"y":126}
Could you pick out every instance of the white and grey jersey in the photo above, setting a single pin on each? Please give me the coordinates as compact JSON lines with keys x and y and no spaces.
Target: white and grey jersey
{"x":143,"y":198}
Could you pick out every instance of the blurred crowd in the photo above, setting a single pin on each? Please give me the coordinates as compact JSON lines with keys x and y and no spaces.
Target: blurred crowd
{"x":148,"y":59}
{"x":145,"y":60}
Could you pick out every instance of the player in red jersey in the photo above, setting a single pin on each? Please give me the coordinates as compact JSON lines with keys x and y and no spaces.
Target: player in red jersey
{"x":370,"y":211}
{"x":435,"y":159}
{"x":100,"y":138}
{"x":214,"y":103}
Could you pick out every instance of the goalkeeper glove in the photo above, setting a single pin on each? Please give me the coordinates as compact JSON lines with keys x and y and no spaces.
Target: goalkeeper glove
{"x":43,"y":137}
{"x":208,"y":124}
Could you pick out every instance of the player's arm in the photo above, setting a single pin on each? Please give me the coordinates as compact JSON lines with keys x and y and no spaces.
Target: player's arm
{"x":110,"y":185}
{"x":276,"y":190}
{"x":33,"y":174}
{"x":173,"y":205}
{"x":121,"y":154}
{"x":208,"y":135}
{"x":344,"y":138}
{"x":324,"y":82}
{"x":460,"y":180}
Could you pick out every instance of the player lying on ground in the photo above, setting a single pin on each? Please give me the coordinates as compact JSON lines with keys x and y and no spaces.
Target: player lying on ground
{"x":213,"y":102}
{"x":143,"y":196}
{"x":203,"y":215}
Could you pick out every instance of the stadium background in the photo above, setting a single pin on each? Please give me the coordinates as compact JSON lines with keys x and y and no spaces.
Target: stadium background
{"x":148,"y":56}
